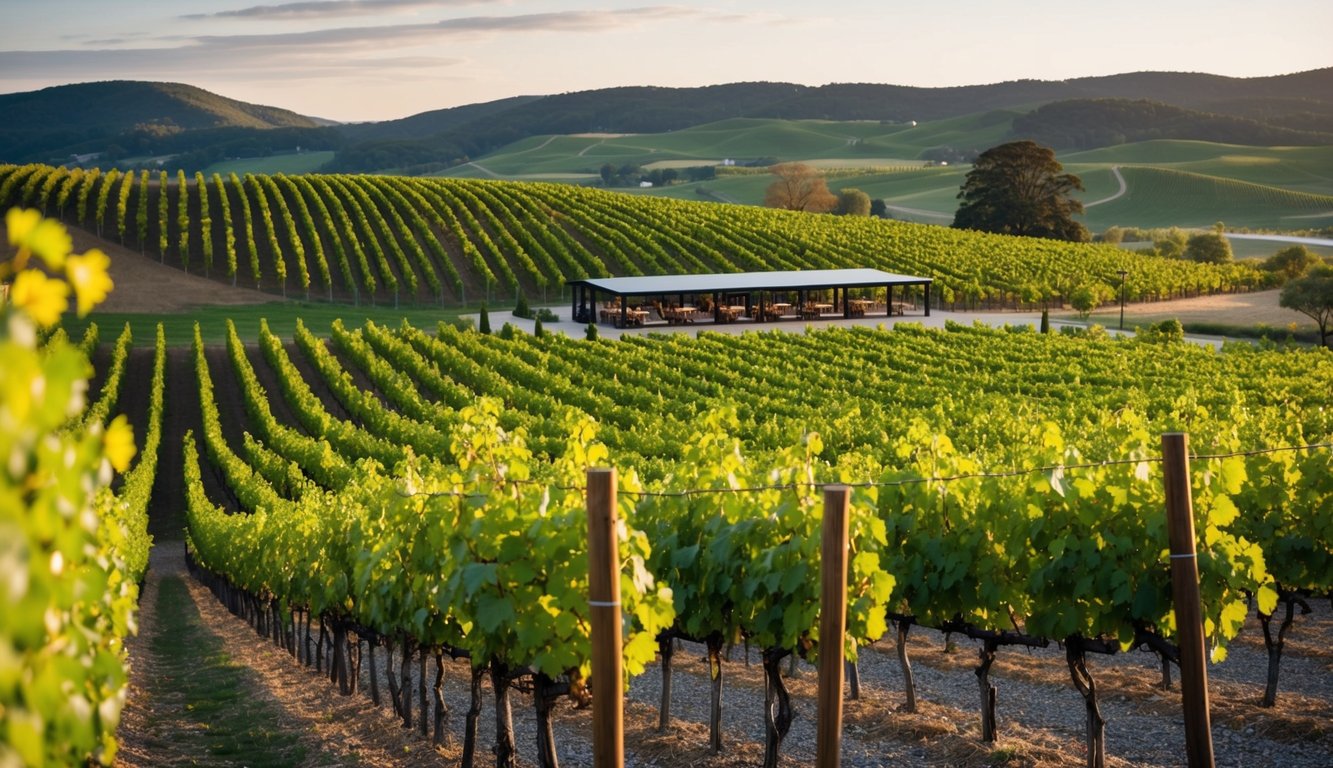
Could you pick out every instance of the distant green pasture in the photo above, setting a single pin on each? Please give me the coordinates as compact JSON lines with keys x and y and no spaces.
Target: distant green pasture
{"x":303,"y":162}
{"x":830,"y":143}
{"x":1162,"y":198}
{"x":1303,"y":169}
{"x":1098,"y":182}
{"x":1259,"y":187}
{"x":1153,"y":198}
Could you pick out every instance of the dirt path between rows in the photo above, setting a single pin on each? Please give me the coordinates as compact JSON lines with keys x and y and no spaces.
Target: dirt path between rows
{"x":289,"y":716}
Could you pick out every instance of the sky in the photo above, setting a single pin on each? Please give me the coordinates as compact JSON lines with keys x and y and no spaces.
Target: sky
{"x":354,"y":60}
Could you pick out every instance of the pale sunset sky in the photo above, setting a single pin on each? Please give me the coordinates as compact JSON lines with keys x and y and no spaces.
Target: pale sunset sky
{"x":355,"y":60}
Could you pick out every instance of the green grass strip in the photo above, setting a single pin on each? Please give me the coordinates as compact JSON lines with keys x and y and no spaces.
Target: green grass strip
{"x":281,"y":316}
{"x":213,"y":716}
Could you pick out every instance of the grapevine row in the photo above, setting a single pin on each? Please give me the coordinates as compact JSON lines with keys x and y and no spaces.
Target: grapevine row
{"x":944,"y":553}
{"x":415,"y":238}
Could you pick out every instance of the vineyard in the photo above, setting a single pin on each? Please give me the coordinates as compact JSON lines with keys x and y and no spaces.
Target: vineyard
{"x":396,"y":496}
{"x":371,"y":239}
{"x":1007,"y":488}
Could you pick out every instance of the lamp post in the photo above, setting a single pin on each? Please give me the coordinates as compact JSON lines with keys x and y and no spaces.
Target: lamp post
{"x":1122,"y":274}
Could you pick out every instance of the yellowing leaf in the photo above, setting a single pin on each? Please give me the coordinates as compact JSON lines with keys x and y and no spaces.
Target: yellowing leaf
{"x":813,"y":443}
{"x":20,"y":223}
{"x":1233,"y":616}
{"x":1224,"y":512}
{"x":50,"y":241}
{"x":88,"y":275}
{"x":30,"y":233}
{"x":40,"y":297}
{"x":1267,"y":599}
{"x":1233,"y":474}
{"x":118,"y":443}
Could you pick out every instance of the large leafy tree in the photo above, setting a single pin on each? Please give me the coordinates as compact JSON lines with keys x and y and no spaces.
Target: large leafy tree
{"x":1313,"y":295}
{"x":799,"y":188}
{"x":1020,"y":189}
{"x":1291,"y":262}
{"x":1209,"y":247}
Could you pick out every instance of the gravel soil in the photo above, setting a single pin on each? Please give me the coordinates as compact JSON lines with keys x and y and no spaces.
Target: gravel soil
{"x":1040,"y":715}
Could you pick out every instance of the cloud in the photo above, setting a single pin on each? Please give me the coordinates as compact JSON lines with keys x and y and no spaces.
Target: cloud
{"x":366,"y":53}
{"x":404,"y":34}
{"x":168,"y":53}
{"x":185,"y":64}
{"x":314,"y":9}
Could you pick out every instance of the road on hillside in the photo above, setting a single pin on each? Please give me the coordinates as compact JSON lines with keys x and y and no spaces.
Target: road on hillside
{"x":1115,"y":169}
{"x":1324,"y":241}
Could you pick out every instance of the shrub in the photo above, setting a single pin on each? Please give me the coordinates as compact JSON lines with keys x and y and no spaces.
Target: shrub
{"x":1091,"y":332}
{"x":1291,"y":262}
{"x":1088,"y":297}
{"x":1209,"y":248}
{"x":1165,"y":332}
{"x":521,"y":308}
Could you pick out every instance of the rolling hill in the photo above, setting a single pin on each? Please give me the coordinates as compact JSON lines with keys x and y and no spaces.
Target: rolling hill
{"x":1088,"y":123}
{"x":129,"y":119}
{"x":1286,"y":104}
{"x":91,"y":117}
{"x":656,"y":110}
{"x":1252,"y":152}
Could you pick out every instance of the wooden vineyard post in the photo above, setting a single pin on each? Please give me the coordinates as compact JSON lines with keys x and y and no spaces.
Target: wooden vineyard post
{"x":608,"y":736}
{"x":1185,"y":594}
{"x":832,"y":625}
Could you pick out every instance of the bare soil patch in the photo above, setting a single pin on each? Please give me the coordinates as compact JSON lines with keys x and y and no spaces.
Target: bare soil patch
{"x":1240,"y":309}
{"x":144,"y":285}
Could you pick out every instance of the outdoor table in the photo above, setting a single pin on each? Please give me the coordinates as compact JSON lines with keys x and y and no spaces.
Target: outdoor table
{"x":632,"y":317}
{"x":728,"y":314}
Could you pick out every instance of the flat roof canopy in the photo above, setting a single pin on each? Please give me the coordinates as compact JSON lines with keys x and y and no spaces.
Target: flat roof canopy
{"x":805,"y":279}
